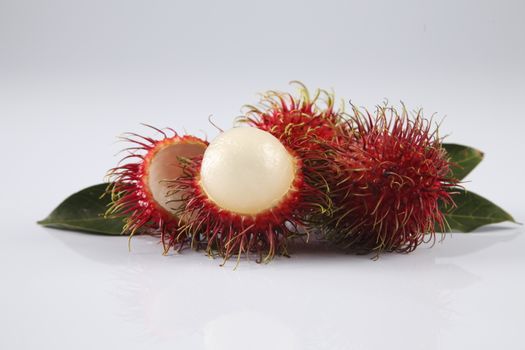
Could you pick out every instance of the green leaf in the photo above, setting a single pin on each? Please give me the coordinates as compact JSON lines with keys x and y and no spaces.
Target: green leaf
{"x":84,"y":211}
{"x":465,"y":159}
{"x":474,"y":211}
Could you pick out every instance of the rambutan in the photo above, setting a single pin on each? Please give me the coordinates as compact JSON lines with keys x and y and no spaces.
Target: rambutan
{"x":389,"y":176}
{"x":300,"y":123}
{"x":139,"y":187}
{"x":246,"y":194}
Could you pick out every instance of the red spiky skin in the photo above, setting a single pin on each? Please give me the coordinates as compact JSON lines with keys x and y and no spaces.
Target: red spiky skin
{"x":226,"y":233}
{"x":390,"y":175}
{"x":300,"y":123}
{"x":132,"y":199}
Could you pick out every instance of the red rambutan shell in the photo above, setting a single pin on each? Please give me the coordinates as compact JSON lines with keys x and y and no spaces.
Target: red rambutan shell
{"x":301,"y":123}
{"x":389,"y":176}
{"x":137,"y":187}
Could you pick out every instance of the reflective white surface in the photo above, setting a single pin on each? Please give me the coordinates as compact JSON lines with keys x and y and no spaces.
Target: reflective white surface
{"x":75,"y":74}
{"x":70,"y":290}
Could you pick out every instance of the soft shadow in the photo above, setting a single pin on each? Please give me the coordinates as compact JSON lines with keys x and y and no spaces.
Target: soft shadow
{"x":495,"y":228}
{"x":114,"y":249}
{"x":104,"y":248}
{"x":459,"y":244}
{"x":467,"y":243}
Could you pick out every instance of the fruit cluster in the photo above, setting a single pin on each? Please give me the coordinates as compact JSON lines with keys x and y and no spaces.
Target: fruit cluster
{"x":368,"y":181}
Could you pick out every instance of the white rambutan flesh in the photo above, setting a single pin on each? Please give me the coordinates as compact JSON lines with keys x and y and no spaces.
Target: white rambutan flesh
{"x":247,"y":171}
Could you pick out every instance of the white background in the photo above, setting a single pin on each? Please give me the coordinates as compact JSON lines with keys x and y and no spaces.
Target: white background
{"x":75,"y":74}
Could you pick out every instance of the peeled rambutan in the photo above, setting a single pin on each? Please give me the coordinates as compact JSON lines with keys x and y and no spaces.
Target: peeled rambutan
{"x":139,"y":187}
{"x":246,"y":194}
{"x":389,"y":176}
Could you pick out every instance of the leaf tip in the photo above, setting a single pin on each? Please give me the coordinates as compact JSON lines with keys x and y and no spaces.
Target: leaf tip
{"x":481,"y":154}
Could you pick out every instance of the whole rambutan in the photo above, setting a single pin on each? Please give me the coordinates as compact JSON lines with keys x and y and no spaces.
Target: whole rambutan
{"x":300,"y":123}
{"x":246,"y":194}
{"x":389,"y":176}
{"x":139,"y":187}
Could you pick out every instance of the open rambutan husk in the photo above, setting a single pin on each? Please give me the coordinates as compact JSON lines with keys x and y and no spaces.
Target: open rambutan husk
{"x":138,"y":186}
{"x":389,"y":178}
